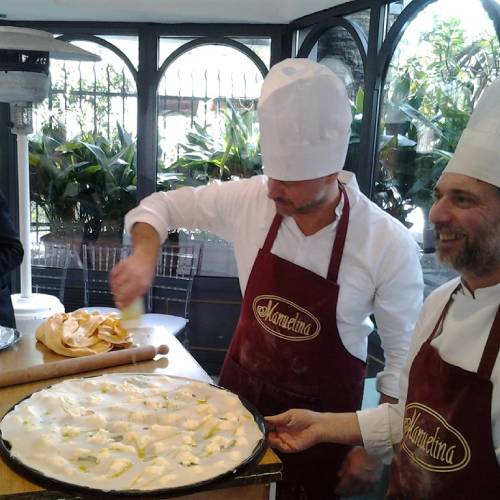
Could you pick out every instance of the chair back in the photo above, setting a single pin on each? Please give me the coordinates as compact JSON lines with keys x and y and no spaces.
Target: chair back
{"x":170,"y":292}
{"x":97,"y":263}
{"x":49,"y":268}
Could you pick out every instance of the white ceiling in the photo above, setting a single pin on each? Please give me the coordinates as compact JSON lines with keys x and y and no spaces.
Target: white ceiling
{"x":164,"y":11}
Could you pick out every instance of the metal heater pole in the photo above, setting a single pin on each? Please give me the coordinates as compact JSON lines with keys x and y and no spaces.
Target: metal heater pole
{"x":21,"y":115}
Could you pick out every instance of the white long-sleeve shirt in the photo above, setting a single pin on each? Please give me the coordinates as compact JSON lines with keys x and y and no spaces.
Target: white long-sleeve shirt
{"x":460,"y":343}
{"x":380,"y":271}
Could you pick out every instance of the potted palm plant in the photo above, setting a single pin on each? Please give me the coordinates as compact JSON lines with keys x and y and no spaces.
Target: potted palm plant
{"x":85,"y":185}
{"x":206,"y":155}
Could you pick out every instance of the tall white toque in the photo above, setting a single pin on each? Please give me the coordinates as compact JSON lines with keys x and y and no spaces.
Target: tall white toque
{"x":478,"y":151}
{"x":305,"y":121}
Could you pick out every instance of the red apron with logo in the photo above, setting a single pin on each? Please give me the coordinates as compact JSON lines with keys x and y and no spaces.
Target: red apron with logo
{"x":447,"y":447}
{"x":287,"y":353}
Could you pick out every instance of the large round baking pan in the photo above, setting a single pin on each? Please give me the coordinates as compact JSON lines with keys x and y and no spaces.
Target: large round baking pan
{"x":49,"y":483}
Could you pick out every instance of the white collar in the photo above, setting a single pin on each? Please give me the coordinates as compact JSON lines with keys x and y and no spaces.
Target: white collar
{"x":481,"y":293}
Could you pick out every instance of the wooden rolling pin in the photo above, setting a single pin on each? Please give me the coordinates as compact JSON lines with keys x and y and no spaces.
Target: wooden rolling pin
{"x":78,"y":365}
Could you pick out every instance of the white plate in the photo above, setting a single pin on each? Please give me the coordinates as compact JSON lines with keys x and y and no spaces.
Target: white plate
{"x":8,"y":336}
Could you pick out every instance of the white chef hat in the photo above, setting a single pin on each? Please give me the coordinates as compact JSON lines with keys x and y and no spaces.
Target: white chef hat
{"x":305,"y":121}
{"x":478,"y":151}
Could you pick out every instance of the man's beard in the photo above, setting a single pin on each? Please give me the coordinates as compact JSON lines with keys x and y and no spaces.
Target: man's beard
{"x":478,"y":256}
{"x":309,"y":207}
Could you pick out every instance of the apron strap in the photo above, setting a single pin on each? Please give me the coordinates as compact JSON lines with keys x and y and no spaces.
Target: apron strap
{"x":491,"y":349}
{"x":338,"y":246}
{"x":439,"y":324}
{"x":273,"y":231}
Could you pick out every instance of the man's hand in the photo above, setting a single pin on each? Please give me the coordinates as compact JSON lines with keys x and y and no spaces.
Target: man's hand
{"x":359,"y":473}
{"x":296,"y":430}
{"x":131,"y":278}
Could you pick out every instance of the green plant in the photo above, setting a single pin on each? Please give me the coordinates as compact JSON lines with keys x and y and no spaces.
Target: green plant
{"x":352,"y":158}
{"x":394,"y":178}
{"x":53,"y":183}
{"x":208,"y":155}
{"x":85,"y":184}
{"x":429,"y":101}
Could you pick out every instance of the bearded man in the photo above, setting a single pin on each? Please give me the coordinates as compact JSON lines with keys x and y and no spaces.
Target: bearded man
{"x":315,"y":259}
{"x":446,"y":427}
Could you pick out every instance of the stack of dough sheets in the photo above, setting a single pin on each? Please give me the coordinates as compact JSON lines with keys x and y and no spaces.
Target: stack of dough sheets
{"x":80,"y":333}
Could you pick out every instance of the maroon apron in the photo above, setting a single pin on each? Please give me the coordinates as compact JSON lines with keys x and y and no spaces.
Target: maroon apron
{"x":287,"y":353}
{"x":447,"y":447}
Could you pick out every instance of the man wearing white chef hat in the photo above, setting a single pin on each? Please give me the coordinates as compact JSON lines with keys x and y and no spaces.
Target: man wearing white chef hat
{"x":447,"y":422}
{"x":315,"y":259}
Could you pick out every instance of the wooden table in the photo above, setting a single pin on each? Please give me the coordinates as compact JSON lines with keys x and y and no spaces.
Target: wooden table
{"x":253,"y":482}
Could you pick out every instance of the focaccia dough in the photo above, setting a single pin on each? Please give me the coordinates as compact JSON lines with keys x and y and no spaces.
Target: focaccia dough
{"x":131,"y":432}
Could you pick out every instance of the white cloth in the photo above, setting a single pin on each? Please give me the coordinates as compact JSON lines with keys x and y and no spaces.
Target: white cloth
{"x":461,"y":343}
{"x":477,"y":151}
{"x":380,"y":271}
{"x":305,"y":121}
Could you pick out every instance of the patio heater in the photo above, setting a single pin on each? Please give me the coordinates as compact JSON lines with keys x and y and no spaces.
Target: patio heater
{"x":24,"y":80}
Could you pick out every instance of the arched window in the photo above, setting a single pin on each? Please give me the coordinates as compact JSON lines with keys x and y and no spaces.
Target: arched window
{"x":207,"y":96}
{"x":444,"y":59}
{"x":439,"y":56}
{"x":207,"y":122}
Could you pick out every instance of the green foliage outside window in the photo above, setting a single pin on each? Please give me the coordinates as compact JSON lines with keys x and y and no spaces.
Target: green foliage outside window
{"x":83,"y":185}
{"x":430,"y":99}
{"x":87,"y":184}
{"x":208,"y":155}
